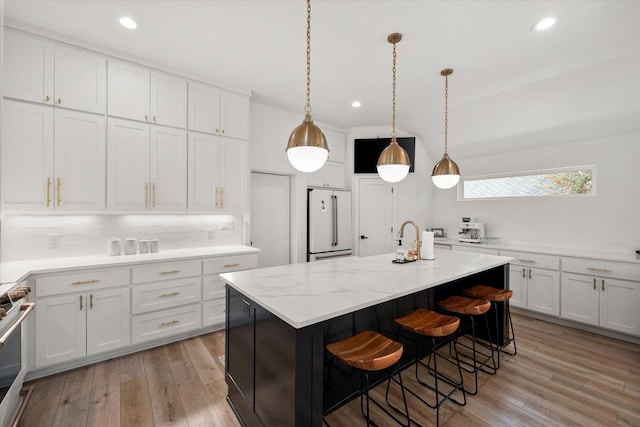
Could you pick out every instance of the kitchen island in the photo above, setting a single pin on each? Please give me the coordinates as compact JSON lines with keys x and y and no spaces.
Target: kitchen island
{"x":279,"y":319}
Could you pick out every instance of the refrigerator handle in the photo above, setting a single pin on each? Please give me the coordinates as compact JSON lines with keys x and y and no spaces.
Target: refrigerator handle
{"x":334,"y":204}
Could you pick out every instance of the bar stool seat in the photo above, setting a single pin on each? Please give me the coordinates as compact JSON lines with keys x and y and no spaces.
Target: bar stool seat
{"x":370,"y":351}
{"x":473,"y":307}
{"x":495,"y":295}
{"x":441,"y":329}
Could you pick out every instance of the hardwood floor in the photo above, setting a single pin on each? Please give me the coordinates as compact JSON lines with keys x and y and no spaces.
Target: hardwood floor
{"x":560,"y":377}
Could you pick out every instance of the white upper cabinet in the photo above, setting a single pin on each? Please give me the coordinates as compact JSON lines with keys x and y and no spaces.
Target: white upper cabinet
{"x":168,"y":100}
{"x":337,"y":145}
{"x":168,"y":169}
{"x":128,"y":91}
{"x":233,"y":175}
{"x":28,"y":68}
{"x":128,"y":166}
{"x":79,"y":162}
{"x":219,"y":112}
{"x":27,"y":157}
{"x":80,"y":80}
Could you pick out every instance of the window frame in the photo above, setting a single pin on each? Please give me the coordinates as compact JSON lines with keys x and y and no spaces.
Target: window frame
{"x":591,"y":167}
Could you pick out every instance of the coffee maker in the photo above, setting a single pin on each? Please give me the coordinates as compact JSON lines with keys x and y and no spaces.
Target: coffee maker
{"x":472,"y":232}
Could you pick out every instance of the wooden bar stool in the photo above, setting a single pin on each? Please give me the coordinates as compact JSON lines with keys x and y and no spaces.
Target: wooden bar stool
{"x":441,"y":329}
{"x":495,"y":295}
{"x":473,"y":308}
{"x":370,"y":351}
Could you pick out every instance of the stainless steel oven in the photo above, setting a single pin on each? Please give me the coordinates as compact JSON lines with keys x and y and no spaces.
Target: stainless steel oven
{"x":14,"y":310}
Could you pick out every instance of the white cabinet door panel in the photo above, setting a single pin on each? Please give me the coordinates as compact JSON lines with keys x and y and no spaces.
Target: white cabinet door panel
{"x":80,"y":80}
{"x":203,"y":172}
{"x":580,"y":297}
{"x":27,"y":157}
{"x":128,"y":165}
{"x":28,"y":68}
{"x":233,"y":175}
{"x":80,"y":157}
{"x":108,"y":320}
{"x":543,"y":291}
{"x":619,"y":300}
{"x":128,"y":91}
{"x":168,"y":100}
{"x":234,"y":110}
{"x":518,"y":285}
{"x":204,"y":108}
{"x":168,"y":167}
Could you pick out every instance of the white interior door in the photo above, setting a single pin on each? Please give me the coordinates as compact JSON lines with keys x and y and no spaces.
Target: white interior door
{"x":376,"y":234}
{"x":271,"y":218}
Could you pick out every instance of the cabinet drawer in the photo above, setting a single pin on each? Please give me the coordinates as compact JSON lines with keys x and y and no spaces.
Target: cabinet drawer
{"x":166,"y":294}
{"x":212,"y":287}
{"x":593,"y":267}
{"x":166,"y":270}
{"x":224,"y":264}
{"x":150,"y":326}
{"x":474,"y":249}
{"x":533,"y":260}
{"x":80,"y":282}
{"x":213,"y":312}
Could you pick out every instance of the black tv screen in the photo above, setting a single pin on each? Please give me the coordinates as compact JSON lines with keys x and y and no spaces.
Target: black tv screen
{"x":367,"y":151}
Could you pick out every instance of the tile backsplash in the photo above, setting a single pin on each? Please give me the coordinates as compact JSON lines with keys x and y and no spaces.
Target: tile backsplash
{"x":56,"y":236}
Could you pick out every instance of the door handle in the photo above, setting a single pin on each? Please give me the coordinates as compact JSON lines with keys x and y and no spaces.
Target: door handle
{"x":362,"y":237}
{"x":334,"y":200}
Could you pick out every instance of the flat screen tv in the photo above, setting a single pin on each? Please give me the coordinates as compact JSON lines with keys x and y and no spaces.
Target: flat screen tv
{"x":367,"y":151}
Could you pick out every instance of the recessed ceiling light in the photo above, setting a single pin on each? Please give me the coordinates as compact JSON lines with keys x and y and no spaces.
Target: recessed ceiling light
{"x":544,"y":24}
{"x":129,"y":23}
{"x":356,"y":104}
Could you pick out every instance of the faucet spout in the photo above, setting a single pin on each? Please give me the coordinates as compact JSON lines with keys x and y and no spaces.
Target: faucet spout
{"x":401,"y":235}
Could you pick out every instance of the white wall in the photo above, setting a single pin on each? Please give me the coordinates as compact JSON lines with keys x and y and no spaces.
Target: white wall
{"x":606,"y":222}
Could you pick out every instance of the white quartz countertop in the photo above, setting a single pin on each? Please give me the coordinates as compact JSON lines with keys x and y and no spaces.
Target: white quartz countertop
{"x":305,"y":294}
{"x":548,"y":250}
{"x":11,"y":272}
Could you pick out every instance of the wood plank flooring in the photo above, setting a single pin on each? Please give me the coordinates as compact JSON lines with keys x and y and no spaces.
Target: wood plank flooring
{"x":560,"y":377}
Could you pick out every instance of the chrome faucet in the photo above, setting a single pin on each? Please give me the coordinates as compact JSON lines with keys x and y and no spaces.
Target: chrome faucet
{"x":401,"y":235}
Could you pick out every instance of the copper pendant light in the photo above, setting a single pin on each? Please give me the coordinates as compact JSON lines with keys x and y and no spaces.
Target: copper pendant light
{"x":307,"y":149}
{"x":394,"y":162}
{"x":446,"y":173}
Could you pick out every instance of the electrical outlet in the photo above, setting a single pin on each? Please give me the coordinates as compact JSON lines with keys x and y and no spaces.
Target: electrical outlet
{"x":227,"y":225}
{"x":54,"y":241}
{"x":210,"y":234}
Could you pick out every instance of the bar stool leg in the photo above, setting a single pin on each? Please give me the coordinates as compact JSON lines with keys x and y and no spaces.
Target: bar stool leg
{"x":476,"y":366}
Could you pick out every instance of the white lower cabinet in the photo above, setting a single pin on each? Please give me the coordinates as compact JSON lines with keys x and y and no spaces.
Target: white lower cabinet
{"x":164,"y":323}
{"x":535,"y":288}
{"x":72,"y":326}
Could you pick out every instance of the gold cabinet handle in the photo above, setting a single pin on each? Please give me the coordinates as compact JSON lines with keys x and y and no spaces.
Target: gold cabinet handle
{"x":171,"y":294}
{"x":173,"y":322}
{"x":603,"y":270}
{"x":85,"y":282}
{"x":58,"y":190}
{"x":59,"y":101}
{"x":524,"y":272}
{"x":223,"y":131}
{"x":594,"y":284}
{"x":145,"y":118}
{"x":153,"y":195}
{"x":529,"y":273}
{"x":81,"y":306}
{"x":222,"y":196}
{"x":47,"y":98}
{"x":154,"y":119}
{"x":170,"y":272}
{"x":527,"y":260}
{"x":216,"y":191}
{"x":603,"y":284}
{"x":48,"y":191}
{"x":146,"y":194}
{"x":91,"y":301}
{"x":217,"y":130}
{"x":235,"y":264}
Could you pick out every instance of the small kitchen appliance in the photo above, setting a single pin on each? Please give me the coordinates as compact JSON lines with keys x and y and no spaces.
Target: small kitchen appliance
{"x":472,"y":232}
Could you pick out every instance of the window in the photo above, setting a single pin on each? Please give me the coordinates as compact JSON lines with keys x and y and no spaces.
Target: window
{"x":573,"y":181}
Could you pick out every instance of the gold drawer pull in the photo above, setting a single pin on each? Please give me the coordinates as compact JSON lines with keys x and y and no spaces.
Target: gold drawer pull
{"x":173,"y":322}
{"x":526,"y":260}
{"x":85,"y":282}
{"x":604,"y":270}
{"x":170,"y":272}
{"x":172,"y":294}
{"x":235,"y":264}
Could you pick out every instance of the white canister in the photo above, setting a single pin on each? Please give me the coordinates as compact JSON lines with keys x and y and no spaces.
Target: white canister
{"x":130,"y":246}
{"x":113,"y":247}
{"x":143,"y":246}
{"x":154,"y":245}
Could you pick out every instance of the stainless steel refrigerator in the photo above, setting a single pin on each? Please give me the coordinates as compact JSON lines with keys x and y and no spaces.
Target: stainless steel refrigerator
{"x":328,"y":224}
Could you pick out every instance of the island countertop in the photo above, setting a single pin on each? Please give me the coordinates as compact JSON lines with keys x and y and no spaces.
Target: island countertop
{"x":308,"y":293}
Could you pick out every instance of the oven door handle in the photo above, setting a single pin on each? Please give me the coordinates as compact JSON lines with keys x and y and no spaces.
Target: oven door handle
{"x":26,"y":309}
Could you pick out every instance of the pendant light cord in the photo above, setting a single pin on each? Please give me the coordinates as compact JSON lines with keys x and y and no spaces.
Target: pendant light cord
{"x":393,"y":109}
{"x":307,"y":108}
{"x":446,"y":113}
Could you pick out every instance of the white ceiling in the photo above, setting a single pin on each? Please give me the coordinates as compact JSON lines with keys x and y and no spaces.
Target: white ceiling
{"x":511,"y":85}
